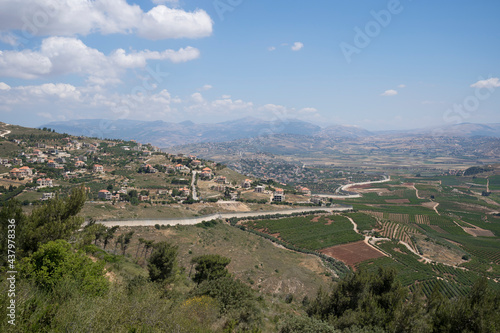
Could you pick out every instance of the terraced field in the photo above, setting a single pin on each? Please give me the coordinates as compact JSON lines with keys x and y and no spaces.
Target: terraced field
{"x":313,"y":232}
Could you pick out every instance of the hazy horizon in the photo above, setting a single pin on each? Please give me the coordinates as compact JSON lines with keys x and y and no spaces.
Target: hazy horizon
{"x":382,"y":65}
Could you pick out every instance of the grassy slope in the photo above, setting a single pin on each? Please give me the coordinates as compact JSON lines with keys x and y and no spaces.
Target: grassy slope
{"x":258,"y":262}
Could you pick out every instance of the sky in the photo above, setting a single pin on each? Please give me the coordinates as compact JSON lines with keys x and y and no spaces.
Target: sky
{"x":379,"y":65}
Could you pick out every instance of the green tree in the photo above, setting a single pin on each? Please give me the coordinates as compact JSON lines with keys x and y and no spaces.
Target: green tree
{"x":56,"y":262}
{"x":141,"y":242}
{"x":126,"y":241}
{"x":234,"y":297}
{"x":362,"y":299}
{"x":162,"y":264}
{"x":292,"y":324}
{"x":210,"y":267}
{"x":119,"y":240}
{"x":110,"y":234}
{"x":54,"y":220}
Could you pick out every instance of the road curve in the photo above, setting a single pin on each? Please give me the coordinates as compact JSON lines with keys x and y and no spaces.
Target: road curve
{"x":351,"y":196}
{"x":198,"y":219}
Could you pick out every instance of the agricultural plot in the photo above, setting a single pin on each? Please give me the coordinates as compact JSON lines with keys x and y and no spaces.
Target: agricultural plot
{"x":465,"y":221}
{"x":309,"y":232}
{"x":352,"y":253}
{"x":422,"y":219}
{"x":400,"y":232}
{"x":365,"y":222}
{"x":481,"y":221}
{"x":398,"y":196}
{"x":379,"y":215}
{"x":415,"y":274}
{"x":494,"y":183}
{"x":448,"y":289}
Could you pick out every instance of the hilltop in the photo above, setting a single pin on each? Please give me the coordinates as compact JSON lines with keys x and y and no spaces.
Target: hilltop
{"x":167,"y":134}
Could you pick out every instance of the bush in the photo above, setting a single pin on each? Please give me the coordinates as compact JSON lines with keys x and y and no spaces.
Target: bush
{"x":162,"y":264}
{"x":56,"y":262}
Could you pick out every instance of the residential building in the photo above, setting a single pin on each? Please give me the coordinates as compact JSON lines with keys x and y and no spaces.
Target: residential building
{"x":303,"y":190}
{"x":259,"y":189}
{"x":48,"y":196}
{"x":104,"y":194}
{"x":21,"y":172}
{"x":247,"y":183}
{"x":149,"y":168}
{"x":221,"y":180}
{"x":220,"y":188}
{"x":185,"y":191}
{"x":316,"y":200}
{"x":98,"y":168}
{"x":279,"y":195}
{"x":44,"y":182}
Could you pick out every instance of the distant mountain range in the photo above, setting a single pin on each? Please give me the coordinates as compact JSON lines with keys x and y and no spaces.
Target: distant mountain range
{"x":167,"y":134}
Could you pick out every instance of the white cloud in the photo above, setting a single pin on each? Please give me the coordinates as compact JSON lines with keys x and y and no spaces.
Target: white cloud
{"x":271,"y":48}
{"x":66,"y":55}
{"x":71,"y":17}
{"x":402,"y":86}
{"x":162,"y":22}
{"x":60,"y":90}
{"x":9,"y":38}
{"x":493,"y":82}
{"x":390,"y":92}
{"x":297,"y":46}
{"x":197,"y":98}
{"x":4,"y":86}
{"x":205,"y":87}
{"x":64,"y":101}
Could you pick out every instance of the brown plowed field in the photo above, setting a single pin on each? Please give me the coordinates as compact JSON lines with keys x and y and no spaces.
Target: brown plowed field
{"x":352,"y":253}
{"x":397,"y":201}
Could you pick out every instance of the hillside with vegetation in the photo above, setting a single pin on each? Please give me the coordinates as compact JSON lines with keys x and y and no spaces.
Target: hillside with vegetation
{"x":410,"y":253}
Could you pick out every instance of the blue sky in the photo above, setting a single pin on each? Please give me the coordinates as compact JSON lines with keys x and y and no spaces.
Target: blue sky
{"x":374,"y":64}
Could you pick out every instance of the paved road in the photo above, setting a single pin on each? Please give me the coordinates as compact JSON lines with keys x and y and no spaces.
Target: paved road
{"x":193,"y":186}
{"x":4,"y":134}
{"x":195,"y":220}
{"x":351,"y":196}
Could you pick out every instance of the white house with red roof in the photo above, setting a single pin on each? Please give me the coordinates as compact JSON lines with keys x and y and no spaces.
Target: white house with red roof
{"x":98,"y":168}
{"x":44,"y":182}
{"x":247,"y":183}
{"x":21,"y":172}
{"x":185,"y":191}
{"x":104,"y":194}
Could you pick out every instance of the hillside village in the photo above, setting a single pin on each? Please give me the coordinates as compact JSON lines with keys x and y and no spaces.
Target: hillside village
{"x":37,"y":164}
